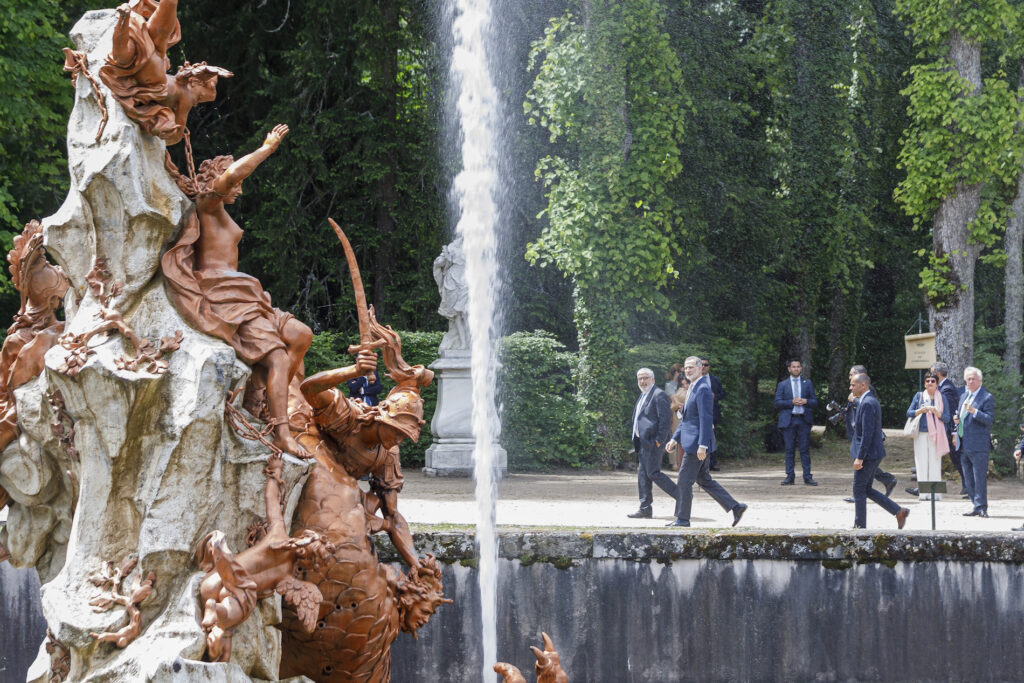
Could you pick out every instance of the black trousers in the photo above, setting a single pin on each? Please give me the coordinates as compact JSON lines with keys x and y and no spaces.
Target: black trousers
{"x":648,"y":470}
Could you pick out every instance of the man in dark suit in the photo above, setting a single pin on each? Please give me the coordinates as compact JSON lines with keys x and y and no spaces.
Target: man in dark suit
{"x":652,"y":421}
{"x":951,"y":397}
{"x":795,"y":401}
{"x":974,"y":421}
{"x":867,"y":454}
{"x":718,"y":391}
{"x":886,"y":479}
{"x":695,"y":435}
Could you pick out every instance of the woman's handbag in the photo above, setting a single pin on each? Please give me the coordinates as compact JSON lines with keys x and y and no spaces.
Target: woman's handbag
{"x":913,"y":425}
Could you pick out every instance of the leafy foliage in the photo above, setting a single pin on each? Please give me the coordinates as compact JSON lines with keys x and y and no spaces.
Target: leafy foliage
{"x":610,"y":90}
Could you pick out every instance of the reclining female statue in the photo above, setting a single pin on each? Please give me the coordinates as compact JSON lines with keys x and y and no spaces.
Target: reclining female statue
{"x":137,"y":66}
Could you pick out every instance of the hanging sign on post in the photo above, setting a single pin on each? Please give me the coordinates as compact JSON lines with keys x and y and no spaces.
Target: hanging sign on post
{"x":920,"y":350}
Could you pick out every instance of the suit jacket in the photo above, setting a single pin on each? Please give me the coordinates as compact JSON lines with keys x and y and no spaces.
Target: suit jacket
{"x":951,"y":397}
{"x":655,"y":421}
{"x":718,"y":391}
{"x":977,"y":427}
{"x":867,"y":439}
{"x":696,"y":428}
{"x":784,"y":402}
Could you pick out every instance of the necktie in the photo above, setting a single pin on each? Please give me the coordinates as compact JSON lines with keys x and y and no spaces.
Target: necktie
{"x":797,"y":410}
{"x":639,"y":407}
{"x":963,"y":414}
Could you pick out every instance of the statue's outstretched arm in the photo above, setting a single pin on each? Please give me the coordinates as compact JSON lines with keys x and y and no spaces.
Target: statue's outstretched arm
{"x":161,"y":24}
{"x":243,"y":168}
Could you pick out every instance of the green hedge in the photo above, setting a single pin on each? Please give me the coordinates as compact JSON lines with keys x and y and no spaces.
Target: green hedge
{"x":330,"y":350}
{"x":541,"y":425}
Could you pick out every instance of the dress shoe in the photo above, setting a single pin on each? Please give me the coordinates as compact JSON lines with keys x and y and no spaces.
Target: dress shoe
{"x":642,"y":513}
{"x":1020,"y":528}
{"x":809,"y":481}
{"x":889,"y":487}
{"x":787,"y":482}
{"x":901,"y":517}
{"x":983,"y":513}
{"x":975,"y":513}
{"x":737,"y":513}
{"x":849,"y":499}
{"x":914,"y":491}
{"x":678,"y":522}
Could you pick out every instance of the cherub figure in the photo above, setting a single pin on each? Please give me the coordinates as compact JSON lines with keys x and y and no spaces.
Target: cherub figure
{"x":35,"y":328}
{"x":137,"y":66}
{"x":234,"y":583}
{"x":548,"y":667}
{"x":205,"y":286}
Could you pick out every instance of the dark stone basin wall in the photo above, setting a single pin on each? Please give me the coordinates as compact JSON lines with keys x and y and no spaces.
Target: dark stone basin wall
{"x":22,"y":627}
{"x":698,"y":606}
{"x":931,"y":607}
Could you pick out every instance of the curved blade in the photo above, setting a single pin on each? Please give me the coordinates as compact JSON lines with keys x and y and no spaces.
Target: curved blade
{"x":362,"y":309}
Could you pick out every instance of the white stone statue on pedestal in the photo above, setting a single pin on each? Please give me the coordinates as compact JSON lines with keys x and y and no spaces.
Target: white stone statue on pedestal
{"x":451,"y":453}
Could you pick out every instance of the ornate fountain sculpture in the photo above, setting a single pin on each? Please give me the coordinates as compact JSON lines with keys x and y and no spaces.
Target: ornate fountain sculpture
{"x":132,"y":469}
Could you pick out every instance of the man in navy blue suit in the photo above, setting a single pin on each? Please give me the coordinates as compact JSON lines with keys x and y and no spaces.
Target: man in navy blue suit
{"x":974,"y":421}
{"x":795,"y":400}
{"x":867,"y":454}
{"x":652,"y":422}
{"x":696,"y":437}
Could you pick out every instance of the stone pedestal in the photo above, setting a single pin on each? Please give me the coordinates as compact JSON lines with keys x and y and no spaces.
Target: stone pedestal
{"x":451,"y":454}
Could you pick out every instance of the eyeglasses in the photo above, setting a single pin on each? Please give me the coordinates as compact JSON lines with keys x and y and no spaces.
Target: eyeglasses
{"x":705,"y":365}
{"x":929,"y":381}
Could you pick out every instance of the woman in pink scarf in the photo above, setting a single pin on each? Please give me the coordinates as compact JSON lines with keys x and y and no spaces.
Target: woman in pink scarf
{"x":930,"y":440}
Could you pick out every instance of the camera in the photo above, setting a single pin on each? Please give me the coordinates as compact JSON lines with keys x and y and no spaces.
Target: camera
{"x":839,"y":409}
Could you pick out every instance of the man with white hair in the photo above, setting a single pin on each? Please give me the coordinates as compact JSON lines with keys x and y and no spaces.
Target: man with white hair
{"x":652,"y":421}
{"x":973,"y":421}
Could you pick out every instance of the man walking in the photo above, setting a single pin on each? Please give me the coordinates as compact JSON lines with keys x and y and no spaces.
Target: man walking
{"x":795,"y":401}
{"x":652,"y":421}
{"x":886,"y":479}
{"x":974,"y":421}
{"x":867,"y":454}
{"x":950,"y":397}
{"x":718,"y":391}
{"x":695,"y":435}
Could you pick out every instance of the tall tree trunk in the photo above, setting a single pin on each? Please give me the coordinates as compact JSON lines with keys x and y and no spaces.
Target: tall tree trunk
{"x":1013,"y":322}
{"x":952,"y":319}
{"x":387,"y":194}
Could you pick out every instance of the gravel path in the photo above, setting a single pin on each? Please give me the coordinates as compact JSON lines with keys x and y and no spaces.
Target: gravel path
{"x":603,"y":499}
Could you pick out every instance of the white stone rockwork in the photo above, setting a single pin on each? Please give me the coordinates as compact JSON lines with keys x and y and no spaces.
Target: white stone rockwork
{"x":159,"y":466}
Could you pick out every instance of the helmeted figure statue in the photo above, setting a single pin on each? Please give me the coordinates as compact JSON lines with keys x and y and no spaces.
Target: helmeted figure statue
{"x":35,"y":328}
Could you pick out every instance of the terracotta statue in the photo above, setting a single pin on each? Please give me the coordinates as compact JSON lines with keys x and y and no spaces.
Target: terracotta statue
{"x":366,"y":603}
{"x":137,"y":66}
{"x":548,"y":667}
{"x":234,"y":583}
{"x":202,"y":280}
{"x":35,"y":329}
